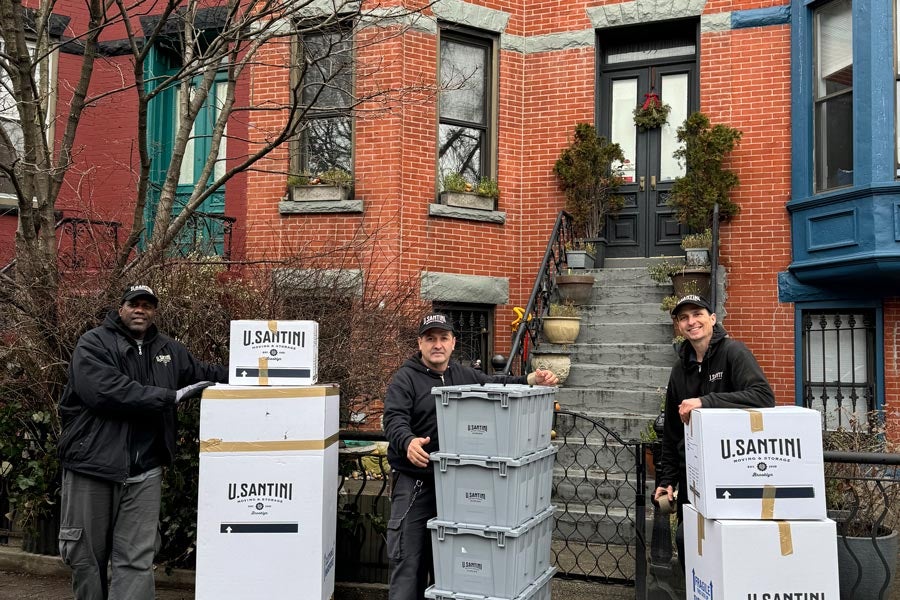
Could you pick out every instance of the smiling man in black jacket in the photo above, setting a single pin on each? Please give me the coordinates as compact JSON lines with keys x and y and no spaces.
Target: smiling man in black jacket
{"x":713,"y":371}
{"x":410,"y":425}
{"x":118,"y":432}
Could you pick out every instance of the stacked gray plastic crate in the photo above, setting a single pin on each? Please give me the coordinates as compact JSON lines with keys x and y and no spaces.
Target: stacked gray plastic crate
{"x":493,"y":480}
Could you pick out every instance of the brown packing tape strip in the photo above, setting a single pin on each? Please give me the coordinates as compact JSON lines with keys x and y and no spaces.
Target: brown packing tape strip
{"x":269,"y":393}
{"x":756,"y":420}
{"x":217,"y":445}
{"x":273,"y":325}
{"x":768,"y":503}
{"x":701,"y":533}
{"x":785,"y":539}
{"x":263,"y":371}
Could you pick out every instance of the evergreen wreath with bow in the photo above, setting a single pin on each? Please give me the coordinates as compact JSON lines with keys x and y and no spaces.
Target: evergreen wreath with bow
{"x":652,"y":113}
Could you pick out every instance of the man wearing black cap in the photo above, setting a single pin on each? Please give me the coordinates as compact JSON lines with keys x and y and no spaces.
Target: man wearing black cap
{"x":713,"y":371}
{"x":118,"y":432}
{"x":410,"y":425}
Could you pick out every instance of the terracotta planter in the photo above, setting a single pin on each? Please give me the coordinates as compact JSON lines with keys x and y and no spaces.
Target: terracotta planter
{"x":692,"y":280}
{"x":575,"y":289}
{"x":561,"y":330}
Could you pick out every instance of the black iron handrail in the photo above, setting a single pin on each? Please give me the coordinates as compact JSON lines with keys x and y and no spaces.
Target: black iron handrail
{"x":538,"y":301}
{"x":714,"y":259}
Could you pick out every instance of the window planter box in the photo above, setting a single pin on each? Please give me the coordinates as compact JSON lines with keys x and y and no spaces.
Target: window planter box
{"x":318,"y":193}
{"x":467,"y":200}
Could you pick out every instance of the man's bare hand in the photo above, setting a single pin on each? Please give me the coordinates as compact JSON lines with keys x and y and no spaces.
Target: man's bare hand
{"x":685,"y":408}
{"x":415,"y":452}
{"x":543,"y":377}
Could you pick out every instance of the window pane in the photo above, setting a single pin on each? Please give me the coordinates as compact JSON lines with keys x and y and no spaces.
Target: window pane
{"x":12,"y":144}
{"x":834,"y":142}
{"x":838,"y":351}
{"x":329,"y":144}
{"x":674,"y":92}
{"x":463,"y":82}
{"x":622,"y":128}
{"x":328,"y":79}
{"x":460,"y":151}
{"x":834,"y":48}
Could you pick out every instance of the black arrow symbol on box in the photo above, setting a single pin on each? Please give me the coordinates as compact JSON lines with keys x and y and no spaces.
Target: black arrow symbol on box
{"x":751,"y":493}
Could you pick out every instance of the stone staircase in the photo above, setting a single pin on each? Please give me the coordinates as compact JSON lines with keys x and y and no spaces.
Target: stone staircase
{"x":623,"y":353}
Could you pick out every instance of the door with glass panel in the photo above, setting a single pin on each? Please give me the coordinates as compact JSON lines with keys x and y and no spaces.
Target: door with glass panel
{"x":646,"y":226}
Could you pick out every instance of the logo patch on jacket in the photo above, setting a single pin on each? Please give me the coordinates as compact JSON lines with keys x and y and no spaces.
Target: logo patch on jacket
{"x":164,"y":358}
{"x":716,"y":376}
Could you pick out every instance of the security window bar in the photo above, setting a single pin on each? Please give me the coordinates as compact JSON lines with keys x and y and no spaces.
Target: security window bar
{"x":326,"y":141}
{"x":833,"y":98}
{"x":465,"y":106}
{"x":473,"y":331}
{"x":839,"y":366}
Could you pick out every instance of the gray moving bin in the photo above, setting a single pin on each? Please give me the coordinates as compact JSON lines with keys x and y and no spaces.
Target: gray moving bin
{"x":539,"y":590}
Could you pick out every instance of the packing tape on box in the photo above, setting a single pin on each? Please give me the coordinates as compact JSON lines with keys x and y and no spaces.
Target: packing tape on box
{"x":784,"y":538}
{"x":756,"y":420}
{"x":701,"y":533}
{"x":217,"y":445}
{"x":767,"y":511}
{"x":263,"y":371}
{"x":270,"y":393}
{"x":273,"y":325}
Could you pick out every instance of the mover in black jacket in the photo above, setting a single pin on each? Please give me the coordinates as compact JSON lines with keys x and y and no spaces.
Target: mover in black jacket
{"x":118,"y":431}
{"x":713,"y":371}
{"x":410,"y":425}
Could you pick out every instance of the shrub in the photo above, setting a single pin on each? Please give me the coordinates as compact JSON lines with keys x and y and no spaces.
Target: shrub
{"x":455,"y":182}
{"x":488,"y":188}
{"x":563,"y":310}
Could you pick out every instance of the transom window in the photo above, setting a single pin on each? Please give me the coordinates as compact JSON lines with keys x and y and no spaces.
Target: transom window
{"x":839,"y":365}
{"x":465,"y":136}
{"x":326,"y":69}
{"x":833,"y":97}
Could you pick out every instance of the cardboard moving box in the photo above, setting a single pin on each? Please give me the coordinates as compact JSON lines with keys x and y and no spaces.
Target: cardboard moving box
{"x":755,"y":464}
{"x":267,"y":498}
{"x":759,"y":560}
{"x":273,"y":353}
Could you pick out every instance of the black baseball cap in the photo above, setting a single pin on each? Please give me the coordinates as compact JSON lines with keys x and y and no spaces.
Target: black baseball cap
{"x":695,"y":300}
{"x":133,"y":292}
{"x":435,"y":321}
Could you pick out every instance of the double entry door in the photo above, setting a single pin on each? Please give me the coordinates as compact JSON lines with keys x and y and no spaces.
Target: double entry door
{"x":646,"y":226}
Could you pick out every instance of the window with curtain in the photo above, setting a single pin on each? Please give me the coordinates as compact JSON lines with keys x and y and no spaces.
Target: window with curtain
{"x":839,"y":365}
{"x":465,"y":137}
{"x":326,"y":68}
{"x":833,"y":97}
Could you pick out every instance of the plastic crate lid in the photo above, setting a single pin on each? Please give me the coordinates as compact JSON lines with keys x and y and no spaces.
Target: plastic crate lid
{"x":490,"y":531}
{"x":445,"y":459}
{"x":491,"y":391}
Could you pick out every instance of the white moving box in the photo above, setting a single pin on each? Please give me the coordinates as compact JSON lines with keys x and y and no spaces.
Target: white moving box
{"x":755,"y":464}
{"x":273,"y":353}
{"x":749,"y":559}
{"x":267,"y":500}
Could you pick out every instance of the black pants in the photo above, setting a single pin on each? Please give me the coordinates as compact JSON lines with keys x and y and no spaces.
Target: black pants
{"x":408,"y":537}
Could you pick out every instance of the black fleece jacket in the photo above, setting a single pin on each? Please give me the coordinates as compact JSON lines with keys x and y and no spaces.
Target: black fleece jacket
{"x":118,"y":408}
{"x":728,"y":377}
{"x":409,"y":407}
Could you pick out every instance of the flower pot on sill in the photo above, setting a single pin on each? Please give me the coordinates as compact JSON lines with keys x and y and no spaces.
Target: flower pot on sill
{"x":575,"y":289}
{"x":319,"y":193}
{"x":467,"y":200}
{"x":561,"y":330}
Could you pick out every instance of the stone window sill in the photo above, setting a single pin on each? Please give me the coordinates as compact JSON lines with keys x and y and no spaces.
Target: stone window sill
{"x":466,"y":214}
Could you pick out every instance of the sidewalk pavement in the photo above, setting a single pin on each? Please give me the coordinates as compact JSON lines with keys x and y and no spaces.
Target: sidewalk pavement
{"x":25,"y":576}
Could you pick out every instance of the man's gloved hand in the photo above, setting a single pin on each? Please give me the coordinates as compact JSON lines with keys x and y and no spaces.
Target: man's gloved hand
{"x":192,"y":391}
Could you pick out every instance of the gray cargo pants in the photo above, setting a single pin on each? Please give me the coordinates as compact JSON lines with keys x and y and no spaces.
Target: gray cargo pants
{"x":104,"y":522}
{"x":408,"y":538}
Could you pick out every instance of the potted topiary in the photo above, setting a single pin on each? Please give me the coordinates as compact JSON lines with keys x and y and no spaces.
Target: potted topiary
{"x":585,"y":172}
{"x":460,"y":192}
{"x":328,"y":186}
{"x":706,"y":181}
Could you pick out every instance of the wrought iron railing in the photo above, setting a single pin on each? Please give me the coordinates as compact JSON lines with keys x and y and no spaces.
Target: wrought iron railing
{"x":206,"y":234}
{"x":82,"y":243}
{"x":538,"y":305}
{"x":714,"y":259}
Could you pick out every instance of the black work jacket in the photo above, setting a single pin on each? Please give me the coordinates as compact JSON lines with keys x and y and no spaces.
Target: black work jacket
{"x":118,"y":390}
{"x":728,"y":377}
{"x":409,"y":407}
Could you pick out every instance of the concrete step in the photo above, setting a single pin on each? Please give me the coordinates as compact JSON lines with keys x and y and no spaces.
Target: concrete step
{"x":586,"y":453}
{"x":594,"y":331}
{"x":624,"y":353}
{"x":610,"y":488}
{"x":608,"y":376}
{"x":605,"y":400}
{"x":627,"y":294}
{"x":596,"y":523}
{"x":623,"y":276}
{"x":637,"y":311}
{"x":627,"y":427}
